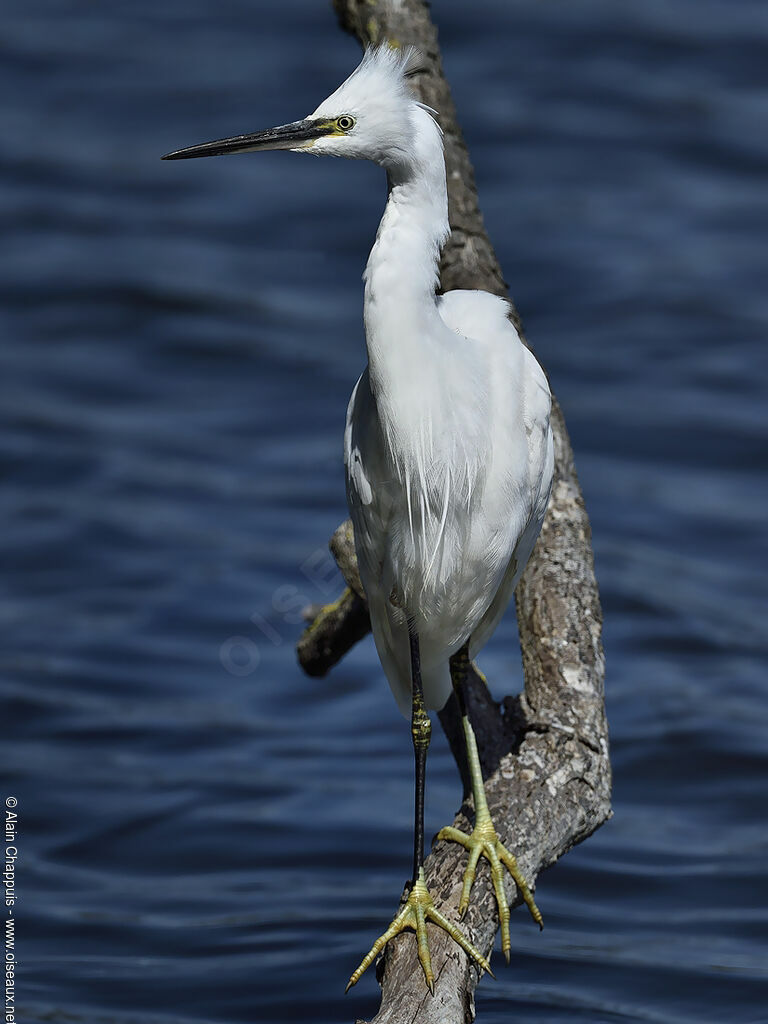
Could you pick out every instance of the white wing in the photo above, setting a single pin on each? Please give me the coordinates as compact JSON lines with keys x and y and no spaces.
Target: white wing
{"x":487,"y":534}
{"x":477,"y":315}
{"x":370,"y":497}
{"x":364,"y":462}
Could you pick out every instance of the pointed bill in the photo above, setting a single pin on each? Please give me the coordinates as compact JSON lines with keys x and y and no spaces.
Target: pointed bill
{"x":297,"y":135}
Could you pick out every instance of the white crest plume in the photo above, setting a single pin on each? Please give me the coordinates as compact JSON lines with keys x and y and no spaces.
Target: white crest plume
{"x":378,"y":96}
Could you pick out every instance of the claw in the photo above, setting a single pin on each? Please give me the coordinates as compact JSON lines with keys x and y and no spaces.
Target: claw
{"x":510,"y":863}
{"x":469,"y":878}
{"x":419,"y":909}
{"x":484,"y":842}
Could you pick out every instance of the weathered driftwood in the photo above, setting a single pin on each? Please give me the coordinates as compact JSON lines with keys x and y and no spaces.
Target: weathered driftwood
{"x":544,"y":753}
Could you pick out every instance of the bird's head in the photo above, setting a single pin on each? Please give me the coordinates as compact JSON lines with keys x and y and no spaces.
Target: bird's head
{"x":369,"y":117}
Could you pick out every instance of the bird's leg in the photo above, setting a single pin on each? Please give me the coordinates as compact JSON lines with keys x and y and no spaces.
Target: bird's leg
{"x":484,"y":840}
{"x":419,"y":908}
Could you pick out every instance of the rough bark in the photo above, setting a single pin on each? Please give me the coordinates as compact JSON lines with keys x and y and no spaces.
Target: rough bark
{"x":544,"y":752}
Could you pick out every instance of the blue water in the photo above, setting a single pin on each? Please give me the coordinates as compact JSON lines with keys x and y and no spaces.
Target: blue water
{"x":206,"y":834}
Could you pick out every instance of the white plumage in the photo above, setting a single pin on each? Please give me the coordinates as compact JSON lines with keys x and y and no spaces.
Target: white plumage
{"x":448,"y":448}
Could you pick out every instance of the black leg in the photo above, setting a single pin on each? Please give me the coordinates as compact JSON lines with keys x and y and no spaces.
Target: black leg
{"x":421,"y":732}
{"x":459,"y":664}
{"x":419,"y":906}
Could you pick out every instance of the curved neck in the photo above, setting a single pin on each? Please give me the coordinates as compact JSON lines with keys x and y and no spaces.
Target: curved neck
{"x":402,"y":271}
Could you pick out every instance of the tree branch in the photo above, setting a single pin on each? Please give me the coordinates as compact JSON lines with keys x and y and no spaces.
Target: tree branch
{"x":544,"y":753}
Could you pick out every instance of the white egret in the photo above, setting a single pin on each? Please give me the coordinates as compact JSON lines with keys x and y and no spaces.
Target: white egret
{"x":448,"y":448}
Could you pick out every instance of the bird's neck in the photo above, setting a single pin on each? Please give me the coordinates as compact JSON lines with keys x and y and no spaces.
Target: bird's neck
{"x":401,"y":317}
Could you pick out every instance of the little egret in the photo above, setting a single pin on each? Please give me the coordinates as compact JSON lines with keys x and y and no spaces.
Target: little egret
{"x":448,"y":449}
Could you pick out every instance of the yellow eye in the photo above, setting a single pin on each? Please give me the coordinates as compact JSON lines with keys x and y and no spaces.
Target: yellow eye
{"x":345,"y":122}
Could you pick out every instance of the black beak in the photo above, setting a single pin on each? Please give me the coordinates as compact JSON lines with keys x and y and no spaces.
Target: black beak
{"x":287,"y":136}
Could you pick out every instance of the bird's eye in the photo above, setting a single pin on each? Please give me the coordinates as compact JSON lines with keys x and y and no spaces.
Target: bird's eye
{"x":345,"y":122}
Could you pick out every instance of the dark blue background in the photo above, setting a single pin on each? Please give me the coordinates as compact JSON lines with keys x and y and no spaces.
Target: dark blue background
{"x":207,"y":835}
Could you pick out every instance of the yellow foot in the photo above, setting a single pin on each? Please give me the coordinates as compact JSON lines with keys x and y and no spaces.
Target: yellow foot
{"x":419,"y":909}
{"x":484,"y":842}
